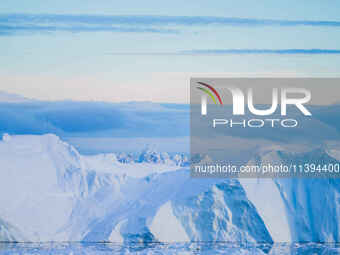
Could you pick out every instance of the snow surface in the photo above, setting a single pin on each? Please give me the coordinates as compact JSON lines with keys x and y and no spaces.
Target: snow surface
{"x":266,"y":197}
{"x":166,"y":227}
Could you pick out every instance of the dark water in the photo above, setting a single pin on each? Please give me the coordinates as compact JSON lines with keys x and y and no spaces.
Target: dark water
{"x":168,"y":248}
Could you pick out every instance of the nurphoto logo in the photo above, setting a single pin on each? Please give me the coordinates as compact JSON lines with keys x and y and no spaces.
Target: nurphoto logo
{"x":280,"y":97}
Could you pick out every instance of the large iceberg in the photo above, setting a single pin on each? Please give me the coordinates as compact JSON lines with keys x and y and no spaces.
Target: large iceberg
{"x":49,"y":192}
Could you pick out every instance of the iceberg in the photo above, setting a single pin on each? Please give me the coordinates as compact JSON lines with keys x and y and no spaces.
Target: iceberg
{"x":50,"y":192}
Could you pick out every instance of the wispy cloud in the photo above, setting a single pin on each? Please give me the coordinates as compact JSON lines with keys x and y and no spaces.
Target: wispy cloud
{"x":14,"y":29}
{"x":235,"y":52}
{"x":261,"y":51}
{"x":16,"y":23}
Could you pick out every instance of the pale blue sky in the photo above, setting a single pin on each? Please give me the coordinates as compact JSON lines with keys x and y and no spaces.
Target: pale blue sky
{"x":116,"y":51}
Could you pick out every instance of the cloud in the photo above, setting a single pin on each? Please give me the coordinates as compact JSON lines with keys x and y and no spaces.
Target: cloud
{"x":18,"y":23}
{"x":260,"y":51}
{"x":12,"y":30}
{"x":95,"y":119}
{"x":83,"y":122}
{"x":235,"y":52}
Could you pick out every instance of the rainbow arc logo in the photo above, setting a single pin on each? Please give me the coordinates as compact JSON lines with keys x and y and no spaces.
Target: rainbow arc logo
{"x":211,"y":91}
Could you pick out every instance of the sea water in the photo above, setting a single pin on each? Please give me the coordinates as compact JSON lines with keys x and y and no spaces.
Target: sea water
{"x":168,"y":248}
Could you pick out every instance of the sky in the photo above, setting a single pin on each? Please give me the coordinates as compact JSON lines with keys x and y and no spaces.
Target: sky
{"x":147,"y":50}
